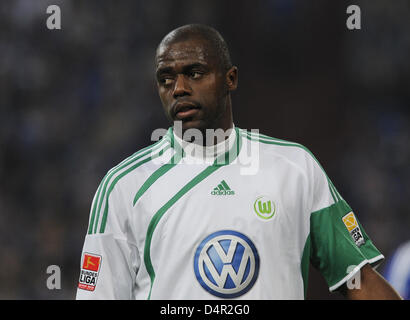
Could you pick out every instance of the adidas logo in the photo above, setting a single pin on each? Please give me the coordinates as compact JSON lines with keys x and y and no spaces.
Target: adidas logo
{"x":222,"y":190}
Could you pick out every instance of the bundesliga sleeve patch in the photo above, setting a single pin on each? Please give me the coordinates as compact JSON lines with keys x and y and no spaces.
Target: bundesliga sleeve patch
{"x":352,"y":226}
{"x":89,"y":271}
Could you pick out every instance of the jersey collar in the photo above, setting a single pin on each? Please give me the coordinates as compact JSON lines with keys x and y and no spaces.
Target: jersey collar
{"x":222,"y":153}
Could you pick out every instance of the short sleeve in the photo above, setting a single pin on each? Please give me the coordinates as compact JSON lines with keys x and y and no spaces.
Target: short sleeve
{"x":339,"y":243}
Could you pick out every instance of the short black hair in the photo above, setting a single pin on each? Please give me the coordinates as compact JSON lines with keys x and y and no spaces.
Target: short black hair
{"x":207,"y":33}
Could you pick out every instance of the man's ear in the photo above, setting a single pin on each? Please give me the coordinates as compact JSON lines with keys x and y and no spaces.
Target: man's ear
{"x":232,"y":78}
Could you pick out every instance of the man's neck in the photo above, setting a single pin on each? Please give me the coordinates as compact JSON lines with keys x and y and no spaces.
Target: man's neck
{"x":203,"y":137}
{"x":220,"y":141}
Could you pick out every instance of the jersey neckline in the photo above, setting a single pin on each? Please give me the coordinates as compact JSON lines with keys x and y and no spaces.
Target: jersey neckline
{"x":223,"y":153}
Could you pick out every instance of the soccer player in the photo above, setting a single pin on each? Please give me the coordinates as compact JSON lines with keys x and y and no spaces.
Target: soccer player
{"x":182,"y":219}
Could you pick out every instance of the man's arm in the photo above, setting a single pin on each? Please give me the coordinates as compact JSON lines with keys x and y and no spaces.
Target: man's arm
{"x":372,"y":287}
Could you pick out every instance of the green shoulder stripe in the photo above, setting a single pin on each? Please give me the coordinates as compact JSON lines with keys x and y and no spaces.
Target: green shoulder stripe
{"x":268,"y":140}
{"x":101,"y":192}
{"x":102,"y":188}
{"x":114,"y":182}
{"x":156,"y":175}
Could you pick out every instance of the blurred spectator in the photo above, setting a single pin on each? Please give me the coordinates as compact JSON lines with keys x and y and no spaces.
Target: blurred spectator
{"x":397,"y":270}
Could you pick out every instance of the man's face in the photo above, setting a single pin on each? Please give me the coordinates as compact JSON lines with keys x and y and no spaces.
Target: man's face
{"x":191,"y":85}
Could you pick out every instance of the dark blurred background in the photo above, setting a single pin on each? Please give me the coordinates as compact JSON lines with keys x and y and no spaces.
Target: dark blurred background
{"x":75,"y":102}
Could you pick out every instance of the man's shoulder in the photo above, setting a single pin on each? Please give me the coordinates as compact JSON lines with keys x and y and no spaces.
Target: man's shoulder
{"x":139,"y":160}
{"x":270,"y":145}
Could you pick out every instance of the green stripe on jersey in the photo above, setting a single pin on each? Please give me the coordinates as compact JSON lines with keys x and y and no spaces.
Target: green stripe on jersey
{"x":103,"y":186}
{"x":222,"y":160}
{"x":105,"y":180}
{"x":179,"y":154}
{"x":268,"y":140}
{"x":331,"y":185}
{"x":158,"y":215}
{"x":96,"y":207}
{"x":156,"y":175}
{"x":124,"y":173}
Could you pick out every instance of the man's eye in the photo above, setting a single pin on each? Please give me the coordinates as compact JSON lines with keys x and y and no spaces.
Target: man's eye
{"x":196,"y":75}
{"x":166,"y":81}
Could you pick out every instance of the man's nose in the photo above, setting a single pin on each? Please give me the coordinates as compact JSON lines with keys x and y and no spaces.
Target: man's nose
{"x":182,"y":87}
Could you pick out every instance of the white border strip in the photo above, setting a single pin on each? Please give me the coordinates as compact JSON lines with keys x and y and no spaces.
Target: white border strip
{"x":356,"y":269}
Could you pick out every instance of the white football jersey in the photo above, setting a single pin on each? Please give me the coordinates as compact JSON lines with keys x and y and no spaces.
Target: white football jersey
{"x":242,"y":219}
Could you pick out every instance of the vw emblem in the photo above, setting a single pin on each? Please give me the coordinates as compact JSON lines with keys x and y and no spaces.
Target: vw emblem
{"x":226,"y":264}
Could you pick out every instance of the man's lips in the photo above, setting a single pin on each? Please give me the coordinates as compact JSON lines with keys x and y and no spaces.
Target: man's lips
{"x":184,"y":110}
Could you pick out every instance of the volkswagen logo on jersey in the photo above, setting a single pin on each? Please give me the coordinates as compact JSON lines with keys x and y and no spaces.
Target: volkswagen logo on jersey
{"x":226,"y":264}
